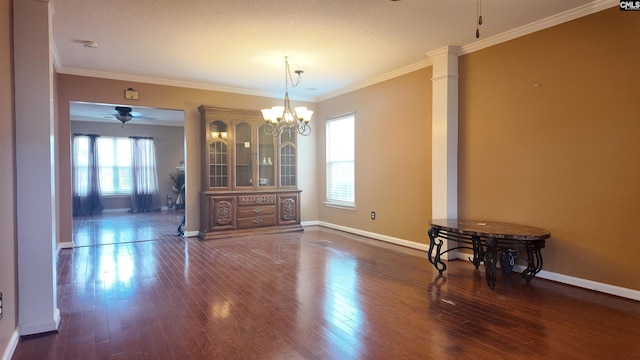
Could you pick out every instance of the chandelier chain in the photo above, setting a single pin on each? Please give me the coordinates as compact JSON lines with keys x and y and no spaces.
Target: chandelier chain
{"x":284,"y":118}
{"x":287,"y":76}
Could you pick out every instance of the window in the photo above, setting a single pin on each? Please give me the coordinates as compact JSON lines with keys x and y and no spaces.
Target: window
{"x":114,"y":156}
{"x":341,"y":161}
{"x":114,"y":161}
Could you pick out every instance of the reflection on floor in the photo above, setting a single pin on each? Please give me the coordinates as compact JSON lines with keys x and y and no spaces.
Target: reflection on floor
{"x":118,"y":228}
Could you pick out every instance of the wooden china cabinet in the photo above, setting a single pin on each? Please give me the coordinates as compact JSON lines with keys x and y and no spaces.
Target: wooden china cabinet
{"x":249,"y":183}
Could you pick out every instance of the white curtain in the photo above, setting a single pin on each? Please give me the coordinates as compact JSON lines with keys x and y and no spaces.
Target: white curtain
{"x":144,"y":196}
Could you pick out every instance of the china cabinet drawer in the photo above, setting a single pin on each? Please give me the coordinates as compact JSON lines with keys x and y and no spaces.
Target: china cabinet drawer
{"x":268,"y":220}
{"x":262,"y":199}
{"x":250,"y":211}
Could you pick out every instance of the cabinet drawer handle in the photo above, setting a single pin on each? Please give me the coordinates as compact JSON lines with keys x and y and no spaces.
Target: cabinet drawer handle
{"x":257,"y":221}
{"x":257,"y":210}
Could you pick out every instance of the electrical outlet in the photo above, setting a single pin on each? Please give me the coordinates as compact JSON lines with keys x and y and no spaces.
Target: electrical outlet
{"x":373,"y":215}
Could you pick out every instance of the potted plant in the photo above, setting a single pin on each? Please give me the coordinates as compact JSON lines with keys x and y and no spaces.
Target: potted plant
{"x":177,"y":186}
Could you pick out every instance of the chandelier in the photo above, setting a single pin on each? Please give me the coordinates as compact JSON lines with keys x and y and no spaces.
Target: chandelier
{"x":279,"y":119}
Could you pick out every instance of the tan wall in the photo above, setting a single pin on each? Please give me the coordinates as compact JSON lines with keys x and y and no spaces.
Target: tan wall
{"x":169,"y":145}
{"x":563,"y":156}
{"x":80,"y":88}
{"x":393,"y":156}
{"x":8,"y":263}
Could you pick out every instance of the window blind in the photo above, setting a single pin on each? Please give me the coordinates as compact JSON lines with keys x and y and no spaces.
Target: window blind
{"x":341,"y":161}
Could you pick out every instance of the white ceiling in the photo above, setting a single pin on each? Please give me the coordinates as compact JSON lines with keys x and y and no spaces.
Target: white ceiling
{"x":239,"y":46}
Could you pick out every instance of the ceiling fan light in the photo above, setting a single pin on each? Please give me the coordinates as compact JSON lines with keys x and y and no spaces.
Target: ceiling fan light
{"x":124,"y":114}
{"x":123,"y":118}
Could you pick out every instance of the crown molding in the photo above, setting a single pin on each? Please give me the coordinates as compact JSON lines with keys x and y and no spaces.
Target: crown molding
{"x":584,"y":10}
{"x":378,"y":79}
{"x":449,"y":49}
{"x":169,"y":82}
{"x":551,"y":21}
{"x":212,"y":87}
{"x":593,"y":7}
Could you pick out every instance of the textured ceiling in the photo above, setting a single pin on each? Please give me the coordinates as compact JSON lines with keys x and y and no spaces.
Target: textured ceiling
{"x":239,"y":46}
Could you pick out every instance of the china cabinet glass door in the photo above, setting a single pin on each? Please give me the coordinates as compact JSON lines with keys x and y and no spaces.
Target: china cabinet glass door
{"x":244,"y":158}
{"x":288,"y":159}
{"x":266,"y":158}
{"x":218,"y":155}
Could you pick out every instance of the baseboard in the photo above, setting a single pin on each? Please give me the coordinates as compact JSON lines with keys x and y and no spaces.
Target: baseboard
{"x":375,"y":236}
{"x":166,"y":208}
{"x":190,"y":234}
{"x":110,"y":211}
{"x":64,"y":245}
{"x":310,"y":223}
{"x":574,"y":281}
{"x":50,"y":325}
{"x":586,"y":284}
{"x":12,"y":345}
{"x":124,"y":210}
{"x":561,"y":278}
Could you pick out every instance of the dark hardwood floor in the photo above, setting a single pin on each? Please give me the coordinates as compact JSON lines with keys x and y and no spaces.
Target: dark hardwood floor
{"x":114,"y":228}
{"x":321,"y":294}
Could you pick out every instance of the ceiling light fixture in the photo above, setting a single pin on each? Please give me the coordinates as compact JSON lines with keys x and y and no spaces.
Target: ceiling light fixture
{"x":283,"y":118}
{"x":124,"y":114}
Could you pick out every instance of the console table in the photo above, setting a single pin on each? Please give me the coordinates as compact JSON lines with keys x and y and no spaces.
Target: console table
{"x":487,"y":239}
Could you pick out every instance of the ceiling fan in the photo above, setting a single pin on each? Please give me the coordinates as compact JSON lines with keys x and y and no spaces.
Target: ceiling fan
{"x":125,"y":113}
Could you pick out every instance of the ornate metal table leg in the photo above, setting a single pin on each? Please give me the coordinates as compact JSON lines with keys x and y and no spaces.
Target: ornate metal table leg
{"x":490,"y":263}
{"x":478,"y":252}
{"x":436,"y":244}
{"x":534,"y":262}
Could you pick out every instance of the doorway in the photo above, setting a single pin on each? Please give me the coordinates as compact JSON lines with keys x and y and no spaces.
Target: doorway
{"x":116,"y":223}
